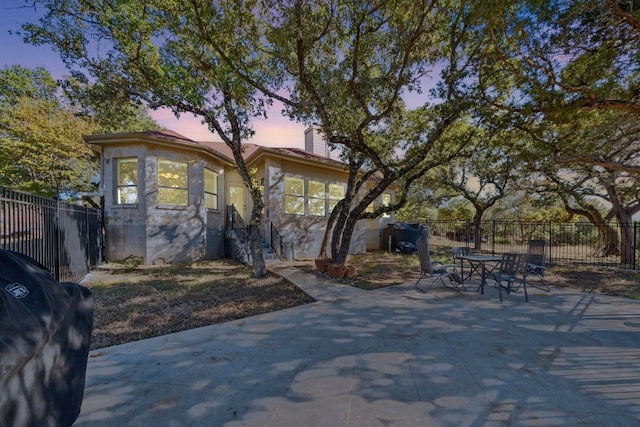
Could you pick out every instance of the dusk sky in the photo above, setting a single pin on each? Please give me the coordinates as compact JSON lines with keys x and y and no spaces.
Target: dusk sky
{"x":277,"y":131}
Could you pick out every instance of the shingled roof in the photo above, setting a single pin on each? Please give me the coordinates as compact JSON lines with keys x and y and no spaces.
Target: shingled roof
{"x":223,"y":149}
{"x":168,"y":133}
{"x":251,"y":151}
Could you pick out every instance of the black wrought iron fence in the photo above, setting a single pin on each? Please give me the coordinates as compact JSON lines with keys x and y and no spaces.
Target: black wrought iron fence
{"x":606,"y":244}
{"x":234,"y":219}
{"x":65,"y":238}
{"x":237,"y":242}
{"x":276,"y":242}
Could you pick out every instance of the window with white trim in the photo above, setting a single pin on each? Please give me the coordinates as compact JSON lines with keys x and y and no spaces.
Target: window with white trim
{"x":371,"y":207}
{"x":210,"y":189}
{"x":127,"y":181}
{"x":336,"y":193}
{"x":386,"y":201}
{"x":316,"y":197}
{"x":173,"y":183}
{"x":293,"y":195}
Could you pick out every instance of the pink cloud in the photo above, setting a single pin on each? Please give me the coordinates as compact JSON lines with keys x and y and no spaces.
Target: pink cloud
{"x":276,"y":131}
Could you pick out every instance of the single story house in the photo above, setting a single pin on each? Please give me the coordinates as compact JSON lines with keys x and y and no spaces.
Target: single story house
{"x":166,"y":197}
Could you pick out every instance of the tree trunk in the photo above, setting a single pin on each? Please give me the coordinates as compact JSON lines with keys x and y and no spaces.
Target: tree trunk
{"x":339,"y":229}
{"x":345,"y":241}
{"x":609,"y":242}
{"x":259,"y":267}
{"x":329,"y":228}
{"x":625,"y":219}
{"x":477,"y":230}
{"x":337,"y":236}
{"x":626,"y":243}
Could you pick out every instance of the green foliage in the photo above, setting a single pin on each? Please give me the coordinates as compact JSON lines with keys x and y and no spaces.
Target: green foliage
{"x":18,"y":82}
{"x":192,"y":57}
{"x":456,"y":209}
{"x":521,"y":206}
{"x":108,"y":107}
{"x":501,"y":240}
{"x":41,"y":129}
{"x":129,"y":263}
{"x":554,"y":61}
{"x":346,"y":66}
{"x":41,"y":149}
{"x":561,"y":56}
{"x":417,"y":212}
{"x":567,"y":74}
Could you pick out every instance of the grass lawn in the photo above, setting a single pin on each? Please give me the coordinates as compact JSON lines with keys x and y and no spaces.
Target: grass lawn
{"x":133,"y":303}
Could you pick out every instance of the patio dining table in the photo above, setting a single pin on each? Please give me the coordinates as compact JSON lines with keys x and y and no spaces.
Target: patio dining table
{"x":482,"y":264}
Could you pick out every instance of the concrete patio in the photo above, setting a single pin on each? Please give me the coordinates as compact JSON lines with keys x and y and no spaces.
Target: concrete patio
{"x":390,"y":357}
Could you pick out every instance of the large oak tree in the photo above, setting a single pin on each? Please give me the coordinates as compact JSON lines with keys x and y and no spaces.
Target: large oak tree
{"x":347,"y":66}
{"x":344,"y":64}
{"x":175,"y":54}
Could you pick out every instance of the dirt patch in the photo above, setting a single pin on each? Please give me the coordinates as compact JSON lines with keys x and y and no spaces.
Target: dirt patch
{"x":150,"y":301}
{"x":375,"y":270}
{"x":590,"y":279}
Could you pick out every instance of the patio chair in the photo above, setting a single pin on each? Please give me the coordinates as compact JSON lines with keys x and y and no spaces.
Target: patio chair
{"x":537,"y":261}
{"x":446,"y":273}
{"x":457,"y":253}
{"x":511,"y":274}
{"x":461,"y":251}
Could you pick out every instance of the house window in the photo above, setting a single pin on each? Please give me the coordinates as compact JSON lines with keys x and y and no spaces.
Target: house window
{"x":210,"y":189}
{"x":315,"y":198}
{"x":336,"y":193}
{"x":371,"y":208}
{"x":173,"y":183}
{"x":386,"y":201}
{"x":293,"y":195}
{"x":127,"y":181}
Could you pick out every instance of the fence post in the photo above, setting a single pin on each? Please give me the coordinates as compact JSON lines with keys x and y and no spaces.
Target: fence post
{"x":87,"y":241}
{"x":493,"y":237}
{"x":56,"y":243}
{"x":549,"y":258}
{"x":634,"y":243}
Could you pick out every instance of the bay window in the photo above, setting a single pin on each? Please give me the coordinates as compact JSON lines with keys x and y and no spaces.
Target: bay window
{"x":210,"y":189}
{"x":127,"y":181}
{"x":173,"y":183}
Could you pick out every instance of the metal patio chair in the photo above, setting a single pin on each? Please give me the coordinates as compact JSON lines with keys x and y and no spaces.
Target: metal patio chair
{"x":446,"y":273}
{"x":537,"y":262}
{"x":461,"y":251}
{"x":511,"y":274}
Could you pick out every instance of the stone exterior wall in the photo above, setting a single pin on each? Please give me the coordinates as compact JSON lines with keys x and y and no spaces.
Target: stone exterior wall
{"x":125,"y":229}
{"x":304,"y":232}
{"x":166,"y":234}
{"x":159,"y":234}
